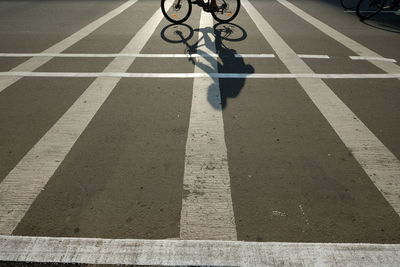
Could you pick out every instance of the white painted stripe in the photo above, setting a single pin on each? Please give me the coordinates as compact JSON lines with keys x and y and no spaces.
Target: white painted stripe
{"x":373,"y":58}
{"x":314,"y":56}
{"x":23,"y":184}
{"x":35,"y":62}
{"x":71,"y":55}
{"x":378,"y":162}
{"x":204,"y":74}
{"x":207,"y":211}
{"x":173,"y":56}
{"x":131,"y":55}
{"x":255,"y":55}
{"x":356,"y":47}
{"x":367,"y":11}
{"x":194,"y":252}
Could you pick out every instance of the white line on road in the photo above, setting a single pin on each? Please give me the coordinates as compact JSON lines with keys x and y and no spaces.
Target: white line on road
{"x":207,"y":211}
{"x":373,"y":58}
{"x":66,"y":55}
{"x":356,"y":47}
{"x":204,"y":74}
{"x":194,"y":252}
{"x":24,"y":183}
{"x":71,"y":55}
{"x":367,"y":11}
{"x":314,"y":56}
{"x":254,"y":55}
{"x":378,"y":162}
{"x":35,"y":62}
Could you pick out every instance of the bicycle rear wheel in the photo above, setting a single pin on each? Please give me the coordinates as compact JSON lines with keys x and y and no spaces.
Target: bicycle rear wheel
{"x":178,"y":12}
{"x":368,"y":8}
{"x":227,"y":10}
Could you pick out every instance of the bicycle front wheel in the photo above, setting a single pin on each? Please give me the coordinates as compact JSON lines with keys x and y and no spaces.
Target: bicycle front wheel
{"x":348,"y":4}
{"x":368,"y":8}
{"x":178,"y":12}
{"x":227,"y":10}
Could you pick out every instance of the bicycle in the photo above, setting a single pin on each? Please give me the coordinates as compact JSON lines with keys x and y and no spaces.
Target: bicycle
{"x":366,"y":9}
{"x":180,"y":10}
{"x":348,"y":4}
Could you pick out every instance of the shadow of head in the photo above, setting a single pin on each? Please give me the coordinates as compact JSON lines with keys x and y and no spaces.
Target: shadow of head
{"x":229,"y":62}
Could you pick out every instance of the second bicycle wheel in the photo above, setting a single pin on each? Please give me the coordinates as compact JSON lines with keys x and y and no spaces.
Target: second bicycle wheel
{"x":227,"y":10}
{"x":368,"y":8}
{"x":348,"y":4}
{"x":178,"y":12}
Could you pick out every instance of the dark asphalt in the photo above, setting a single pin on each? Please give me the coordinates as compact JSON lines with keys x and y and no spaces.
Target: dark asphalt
{"x":292,"y":178}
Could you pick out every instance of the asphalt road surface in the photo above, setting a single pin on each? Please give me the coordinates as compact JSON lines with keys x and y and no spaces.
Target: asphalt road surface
{"x":122,"y":136}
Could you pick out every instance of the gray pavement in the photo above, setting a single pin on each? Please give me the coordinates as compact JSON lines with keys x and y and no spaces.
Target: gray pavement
{"x":294,"y":177}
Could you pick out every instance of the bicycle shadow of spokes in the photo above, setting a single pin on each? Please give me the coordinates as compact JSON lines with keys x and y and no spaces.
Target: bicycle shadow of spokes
{"x":223,"y":60}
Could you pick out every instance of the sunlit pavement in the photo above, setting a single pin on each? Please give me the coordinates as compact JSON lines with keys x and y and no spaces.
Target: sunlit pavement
{"x":271,"y":140}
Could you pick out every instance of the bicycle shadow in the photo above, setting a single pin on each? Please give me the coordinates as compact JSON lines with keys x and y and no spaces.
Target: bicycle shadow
{"x":228,"y":61}
{"x":385,"y":22}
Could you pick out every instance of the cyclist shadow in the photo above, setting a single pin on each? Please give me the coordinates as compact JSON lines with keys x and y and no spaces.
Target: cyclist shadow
{"x":228,"y":60}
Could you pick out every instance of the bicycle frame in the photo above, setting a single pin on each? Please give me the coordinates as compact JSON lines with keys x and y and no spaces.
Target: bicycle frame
{"x":202,"y":3}
{"x":221,"y":13}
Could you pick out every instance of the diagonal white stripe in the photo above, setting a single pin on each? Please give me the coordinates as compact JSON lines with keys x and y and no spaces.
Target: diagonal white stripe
{"x":23,"y":184}
{"x":36,"y":62}
{"x":378,"y":162}
{"x":356,"y":47}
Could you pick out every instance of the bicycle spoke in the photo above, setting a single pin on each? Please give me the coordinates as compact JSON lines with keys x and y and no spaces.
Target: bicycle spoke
{"x":179,"y":11}
{"x":227,"y":10}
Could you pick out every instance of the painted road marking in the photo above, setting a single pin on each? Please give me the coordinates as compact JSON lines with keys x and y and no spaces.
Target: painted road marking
{"x":104,"y":55}
{"x":314,"y":56}
{"x":35,"y":62}
{"x":378,"y":162}
{"x":368,"y":11}
{"x":24,"y":183}
{"x":194,"y":252}
{"x":373,"y":58}
{"x":204,"y":75}
{"x":356,"y":47}
{"x":254,"y":55}
{"x":207,"y":211}
{"x":179,"y":56}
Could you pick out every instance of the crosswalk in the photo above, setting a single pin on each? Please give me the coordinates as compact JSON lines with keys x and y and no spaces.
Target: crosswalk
{"x":180,"y":56}
{"x":136,"y":152}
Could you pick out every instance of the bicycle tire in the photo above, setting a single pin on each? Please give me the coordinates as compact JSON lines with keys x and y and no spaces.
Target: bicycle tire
{"x":348,"y":4}
{"x":230,"y":32}
{"x":230,"y":15}
{"x":366,"y":9}
{"x":173,"y":30}
{"x":180,"y":11}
